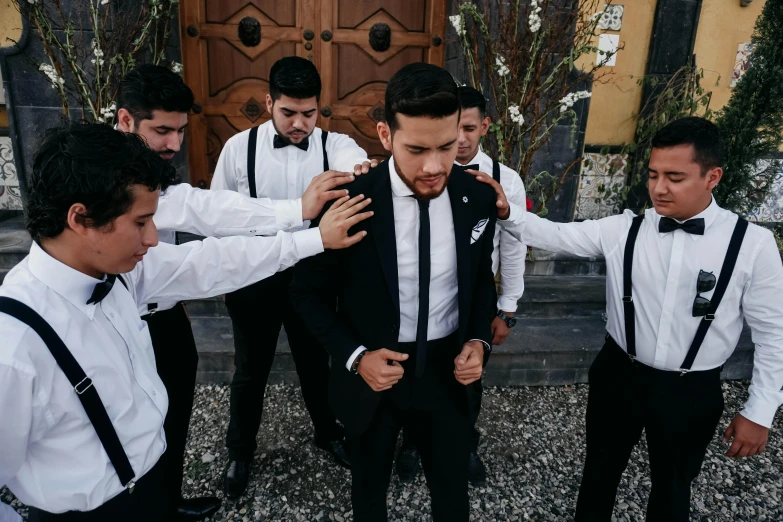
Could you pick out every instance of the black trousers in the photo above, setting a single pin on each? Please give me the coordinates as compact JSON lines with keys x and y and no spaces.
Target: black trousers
{"x":679,"y":415}
{"x":177,"y":360}
{"x":257,"y":313}
{"x":433,"y":408}
{"x":475,"y":394}
{"x":147,"y":503}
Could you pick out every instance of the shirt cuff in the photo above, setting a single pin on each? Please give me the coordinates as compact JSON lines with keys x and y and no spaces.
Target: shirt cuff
{"x":507,"y":304}
{"x":487,"y":347}
{"x":762,"y":405}
{"x":288,"y":213}
{"x":353,"y":357}
{"x":516,"y":214}
{"x":308,"y":242}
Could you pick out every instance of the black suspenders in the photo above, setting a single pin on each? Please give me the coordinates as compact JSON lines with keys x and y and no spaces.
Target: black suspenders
{"x":732,"y":253}
{"x":252,"y":142}
{"x":82,"y":385}
{"x":496,"y":170}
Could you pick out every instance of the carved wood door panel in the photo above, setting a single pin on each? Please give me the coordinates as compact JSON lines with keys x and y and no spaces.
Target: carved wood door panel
{"x":229,"y":46}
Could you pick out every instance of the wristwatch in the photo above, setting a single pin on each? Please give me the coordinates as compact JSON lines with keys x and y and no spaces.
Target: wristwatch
{"x":355,"y":365}
{"x":510,"y":321}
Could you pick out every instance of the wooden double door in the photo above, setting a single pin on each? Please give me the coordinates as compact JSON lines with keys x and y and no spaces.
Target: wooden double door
{"x":229,"y":46}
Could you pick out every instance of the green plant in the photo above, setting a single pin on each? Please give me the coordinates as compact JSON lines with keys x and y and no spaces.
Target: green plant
{"x":526,"y":58}
{"x":87,"y":63}
{"x":752,"y":120}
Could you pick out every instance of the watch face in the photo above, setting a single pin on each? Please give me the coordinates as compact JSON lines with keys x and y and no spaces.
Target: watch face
{"x":511,"y":322}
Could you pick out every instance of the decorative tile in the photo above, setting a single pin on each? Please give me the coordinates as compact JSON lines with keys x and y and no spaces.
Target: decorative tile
{"x":7,"y":166}
{"x":772,"y":210}
{"x":741,"y":62}
{"x":612,"y":18}
{"x":601,"y":183}
{"x":608,"y":45}
{"x":10,"y":196}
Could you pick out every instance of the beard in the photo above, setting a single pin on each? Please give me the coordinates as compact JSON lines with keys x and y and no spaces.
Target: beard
{"x":429,"y":194}
{"x":285,"y":137}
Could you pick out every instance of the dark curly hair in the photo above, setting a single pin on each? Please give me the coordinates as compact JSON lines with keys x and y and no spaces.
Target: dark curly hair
{"x":92,"y":164}
{"x":709,"y":150}
{"x":153,"y":87}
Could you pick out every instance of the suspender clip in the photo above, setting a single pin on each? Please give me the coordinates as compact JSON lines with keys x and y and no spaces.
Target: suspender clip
{"x":87,"y":382}
{"x":683,"y":371}
{"x":709,"y":317}
{"x":130,"y":486}
{"x":627,"y":299}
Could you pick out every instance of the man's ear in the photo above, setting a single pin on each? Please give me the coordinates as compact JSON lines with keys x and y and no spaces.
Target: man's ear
{"x":385,"y":134}
{"x":269,"y":103}
{"x":124,"y":120}
{"x":713,"y":177}
{"x":485,"y":125}
{"x":76,"y":220}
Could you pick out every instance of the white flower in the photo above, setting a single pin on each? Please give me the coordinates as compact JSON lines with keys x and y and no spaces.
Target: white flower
{"x":500,"y":63}
{"x":456,"y":21}
{"x":176,"y":67}
{"x":533,"y":20}
{"x":516,"y":116}
{"x":464,"y":199}
{"x":51,"y":73}
{"x":104,"y":2}
{"x":568,"y":101}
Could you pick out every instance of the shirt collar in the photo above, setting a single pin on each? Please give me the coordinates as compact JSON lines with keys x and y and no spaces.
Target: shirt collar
{"x":708,"y":214}
{"x":399,"y":188}
{"x":74,"y":286}
{"x":478,"y":158}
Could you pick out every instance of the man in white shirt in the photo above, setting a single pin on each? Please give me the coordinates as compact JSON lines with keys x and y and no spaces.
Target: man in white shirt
{"x":508,"y":257}
{"x":412,"y":326}
{"x":77,"y":371}
{"x":681,"y":279}
{"x":279,"y":160}
{"x":154,"y":103}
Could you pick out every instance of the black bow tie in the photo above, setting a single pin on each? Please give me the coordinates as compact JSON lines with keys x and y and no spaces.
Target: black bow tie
{"x":474,"y":166}
{"x":278,"y":142}
{"x":692,"y":226}
{"x":102,"y":289}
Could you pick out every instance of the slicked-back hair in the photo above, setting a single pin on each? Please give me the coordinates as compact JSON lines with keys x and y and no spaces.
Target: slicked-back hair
{"x":153,"y":88}
{"x":91,"y":164}
{"x":470,"y":98}
{"x":295,"y":77}
{"x":704,"y":135}
{"x":421,"y":90}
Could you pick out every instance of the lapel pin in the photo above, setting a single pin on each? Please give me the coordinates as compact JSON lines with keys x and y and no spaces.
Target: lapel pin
{"x":464,"y":199}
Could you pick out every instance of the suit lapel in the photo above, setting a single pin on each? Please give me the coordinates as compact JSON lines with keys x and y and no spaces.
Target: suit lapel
{"x":462,"y":229}
{"x":382,"y":225}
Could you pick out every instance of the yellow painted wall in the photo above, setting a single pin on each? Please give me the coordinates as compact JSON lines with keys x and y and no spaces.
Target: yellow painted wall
{"x":723,"y":25}
{"x":617,"y":97}
{"x":10,"y":23}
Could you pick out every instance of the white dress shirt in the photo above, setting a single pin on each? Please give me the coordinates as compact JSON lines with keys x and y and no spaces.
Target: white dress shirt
{"x":444,"y":306}
{"x":285,"y":173}
{"x":50,"y":456}
{"x":8,"y":514}
{"x":509,"y":253}
{"x":665,"y":270}
{"x":219,"y":213}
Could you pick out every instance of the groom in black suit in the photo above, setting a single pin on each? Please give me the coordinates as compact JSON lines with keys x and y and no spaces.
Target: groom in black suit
{"x":414,"y":304}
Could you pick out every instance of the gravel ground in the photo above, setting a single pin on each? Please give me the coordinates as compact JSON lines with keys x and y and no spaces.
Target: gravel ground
{"x":532,"y":444}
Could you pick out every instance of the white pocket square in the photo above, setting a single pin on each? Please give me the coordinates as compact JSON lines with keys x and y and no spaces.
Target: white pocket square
{"x":478,"y":230}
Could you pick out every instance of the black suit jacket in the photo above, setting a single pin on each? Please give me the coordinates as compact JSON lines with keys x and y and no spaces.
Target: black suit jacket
{"x":350,"y":297}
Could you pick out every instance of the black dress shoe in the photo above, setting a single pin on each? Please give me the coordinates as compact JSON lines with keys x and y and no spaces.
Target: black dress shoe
{"x":407,"y":463}
{"x":477,"y":475}
{"x":237,"y":474}
{"x":336,"y":448}
{"x":194,"y":509}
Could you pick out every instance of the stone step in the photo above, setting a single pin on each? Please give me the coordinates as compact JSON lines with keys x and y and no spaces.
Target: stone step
{"x":545,"y":296}
{"x":539,"y":351}
{"x":14,"y":242}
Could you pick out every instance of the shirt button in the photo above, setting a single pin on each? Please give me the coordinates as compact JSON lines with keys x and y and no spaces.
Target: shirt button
{"x":672,"y":281}
{"x":154,"y":393}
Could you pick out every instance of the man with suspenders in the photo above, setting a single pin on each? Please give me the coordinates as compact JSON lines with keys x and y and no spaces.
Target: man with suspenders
{"x":279,"y":160}
{"x":681,"y":279}
{"x":81,"y":401}
{"x":508,"y":257}
{"x":154,"y":103}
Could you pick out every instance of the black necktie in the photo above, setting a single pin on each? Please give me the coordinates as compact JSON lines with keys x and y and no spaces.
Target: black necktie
{"x":278,"y":142}
{"x":102,"y":289}
{"x":692,"y":226}
{"x":424,"y":285}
